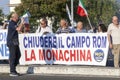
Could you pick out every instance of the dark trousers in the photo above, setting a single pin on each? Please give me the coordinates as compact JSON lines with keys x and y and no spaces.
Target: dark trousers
{"x":14,"y":57}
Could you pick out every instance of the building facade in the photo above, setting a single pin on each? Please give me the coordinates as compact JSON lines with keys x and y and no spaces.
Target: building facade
{"x":13,"y":4}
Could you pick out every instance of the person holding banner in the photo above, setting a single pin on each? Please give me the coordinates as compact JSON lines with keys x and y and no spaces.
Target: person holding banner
{"x":79,"y":28}
{"x":64,"y":28}
{"x":102,"y":28}
{"x":114,"y":32}
{"x":13,"y":43}
{"x":44,"y":28}
{"x":5,"y":25}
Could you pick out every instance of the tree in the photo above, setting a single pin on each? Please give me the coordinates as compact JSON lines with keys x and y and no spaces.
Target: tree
{"x":100,"y":11}
{"x":43,"y":8}
{"x":1,"y":16}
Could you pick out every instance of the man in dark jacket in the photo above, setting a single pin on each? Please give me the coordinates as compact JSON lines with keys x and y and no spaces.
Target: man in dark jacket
{"x":13,"y":44}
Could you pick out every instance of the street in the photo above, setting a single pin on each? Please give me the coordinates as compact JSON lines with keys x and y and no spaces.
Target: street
{"x":54,"y":77}
{"x":57,"y":77}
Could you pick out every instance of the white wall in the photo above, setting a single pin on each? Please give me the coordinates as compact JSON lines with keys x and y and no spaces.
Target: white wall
{"x":14,"y":2}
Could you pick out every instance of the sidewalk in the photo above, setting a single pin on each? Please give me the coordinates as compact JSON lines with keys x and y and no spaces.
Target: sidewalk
{"x":64,"y":69}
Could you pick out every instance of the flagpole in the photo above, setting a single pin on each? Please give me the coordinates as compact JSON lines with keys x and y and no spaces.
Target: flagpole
{"x":68,"y":12}
{"x":72,"y":15}
{"x":89,"y":22}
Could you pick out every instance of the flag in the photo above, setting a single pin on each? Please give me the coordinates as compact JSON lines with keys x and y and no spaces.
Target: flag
{"x":81,"y":9}
{"x":68,"y":12}
{"x":26,"y":16}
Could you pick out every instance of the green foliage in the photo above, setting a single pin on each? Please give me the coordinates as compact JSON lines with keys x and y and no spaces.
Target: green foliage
{"x":101,"y":10}
{"x":43,"y":8}
{"x":1,"y":16}
{"x":98,"y":10}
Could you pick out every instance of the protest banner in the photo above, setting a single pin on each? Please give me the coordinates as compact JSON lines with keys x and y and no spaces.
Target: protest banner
{"x":4,"y":51}
{"x":68,"y":49}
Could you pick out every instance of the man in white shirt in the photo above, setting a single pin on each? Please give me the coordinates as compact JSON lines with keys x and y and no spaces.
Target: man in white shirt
{"x":114,"y":31}
{"x":79,"y":28}
{"x":44,"y":28}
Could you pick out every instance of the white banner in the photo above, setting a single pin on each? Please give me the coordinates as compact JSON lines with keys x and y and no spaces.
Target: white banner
{"x":68,"y":49}
{"x":4,"y":51}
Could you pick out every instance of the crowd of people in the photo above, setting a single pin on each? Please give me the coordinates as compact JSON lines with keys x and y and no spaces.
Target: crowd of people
{"x":65,"y":28}
{"x":13,"y":31}
{"x":44,"y":28}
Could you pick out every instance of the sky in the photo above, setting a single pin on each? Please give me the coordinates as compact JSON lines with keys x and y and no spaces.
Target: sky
{"x":4,"y":6}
